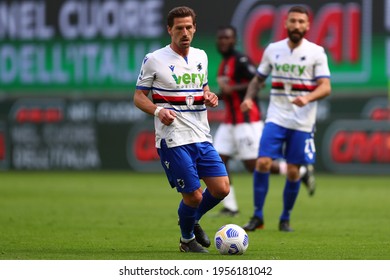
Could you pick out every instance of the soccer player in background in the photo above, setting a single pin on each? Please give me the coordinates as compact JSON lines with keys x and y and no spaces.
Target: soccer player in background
{"x":176,"y":76}
{"x":239,"y":135}
{"x":300,"y":77}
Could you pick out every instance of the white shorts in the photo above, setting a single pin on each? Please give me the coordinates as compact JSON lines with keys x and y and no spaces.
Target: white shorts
{"x":239,"y":141}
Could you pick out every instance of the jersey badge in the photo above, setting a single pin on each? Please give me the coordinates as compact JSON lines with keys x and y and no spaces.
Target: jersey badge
{"x":181,"y":183}
{"x":190,"y":100}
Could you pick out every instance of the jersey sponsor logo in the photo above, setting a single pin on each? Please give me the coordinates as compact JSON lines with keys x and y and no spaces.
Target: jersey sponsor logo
{"x":295,"y":69}
{"x":188,"y":78}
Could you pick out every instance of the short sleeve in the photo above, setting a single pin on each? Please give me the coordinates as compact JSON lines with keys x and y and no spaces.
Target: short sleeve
{"x":265,"y":66}
{"x":321,"y":68}
{"x":147,"y":73}
{"x":206,"y":65}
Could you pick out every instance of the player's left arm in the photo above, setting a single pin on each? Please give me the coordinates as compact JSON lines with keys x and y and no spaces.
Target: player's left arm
{"x":210,"y":98}
{"x":322,"y":90}
{"x":322,"y":74}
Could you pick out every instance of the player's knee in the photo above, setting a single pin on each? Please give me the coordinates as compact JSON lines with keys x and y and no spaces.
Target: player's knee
{"x":225,"y":190}
{"x":222,"y":190}
{"x":293,"y":172}
{"x":263,"y":164}
{"x":193,"y":199}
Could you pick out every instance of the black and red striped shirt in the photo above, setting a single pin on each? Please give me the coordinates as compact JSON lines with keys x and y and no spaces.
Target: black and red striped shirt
{"x":239,"y":69}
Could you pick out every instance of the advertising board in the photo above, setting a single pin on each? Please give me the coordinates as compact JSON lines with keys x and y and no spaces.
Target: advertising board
{"x":96,"y":47}
{"x":68,"y":71}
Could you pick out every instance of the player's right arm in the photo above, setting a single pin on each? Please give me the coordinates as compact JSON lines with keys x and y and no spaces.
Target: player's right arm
{"x":144,"y":85}
{"x":255,"y":85}
{"x":142,"y":101}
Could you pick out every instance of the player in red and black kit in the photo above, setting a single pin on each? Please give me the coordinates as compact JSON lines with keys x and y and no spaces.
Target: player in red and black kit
{"x":239,"y":135}
{"x":234,"y":73}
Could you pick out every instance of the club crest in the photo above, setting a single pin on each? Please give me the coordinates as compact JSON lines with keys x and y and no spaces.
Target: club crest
{"x":190,"y":100}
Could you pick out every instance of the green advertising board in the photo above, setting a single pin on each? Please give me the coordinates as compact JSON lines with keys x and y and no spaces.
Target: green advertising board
{"x":68,"y":70}
{"x":70,"y":47}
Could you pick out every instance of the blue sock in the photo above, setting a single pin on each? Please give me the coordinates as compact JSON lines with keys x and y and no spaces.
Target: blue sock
{"x":186,"y":220}
{"x":260,"y":188}
{"x":290,"y":194}
{"x":208,"y":203}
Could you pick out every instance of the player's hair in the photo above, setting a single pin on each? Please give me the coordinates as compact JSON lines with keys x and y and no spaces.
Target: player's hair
{"x":298,"y":9}
{"x":180,"y":12}
{"x":230,"y":27}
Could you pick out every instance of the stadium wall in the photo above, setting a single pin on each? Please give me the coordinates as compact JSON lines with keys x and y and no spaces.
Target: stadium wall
{"x":68,"y":71}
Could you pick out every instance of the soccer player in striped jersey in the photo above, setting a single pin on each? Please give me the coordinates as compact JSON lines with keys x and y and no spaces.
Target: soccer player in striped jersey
{"x":300,"y":76}
{"x":176,"y":77}
{"x":239,"y":134}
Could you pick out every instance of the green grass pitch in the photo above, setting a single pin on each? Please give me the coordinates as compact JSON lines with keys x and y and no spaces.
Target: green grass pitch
{"x":133,"y":216}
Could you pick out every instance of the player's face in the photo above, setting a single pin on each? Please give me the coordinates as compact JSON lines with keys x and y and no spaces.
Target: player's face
{"x":182,"y":33}
{"x":297,"y":25}
{"x":225,"y":41}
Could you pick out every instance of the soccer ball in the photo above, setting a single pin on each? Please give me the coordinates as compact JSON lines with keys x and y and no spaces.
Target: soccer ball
{"x":231,"y":239}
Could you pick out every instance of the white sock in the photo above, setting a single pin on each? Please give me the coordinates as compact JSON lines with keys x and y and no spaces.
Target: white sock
{"x":230,"y":201}
{"x":282,"y":167}
{"x":185,"y":240}
{"x":302,"y":170}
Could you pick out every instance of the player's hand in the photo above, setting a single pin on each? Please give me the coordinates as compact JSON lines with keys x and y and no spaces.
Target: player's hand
{"x":210,"y":99}
{"x":246,"y":105}
{"x":167,"y":116}
{"x":300,"y":101}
